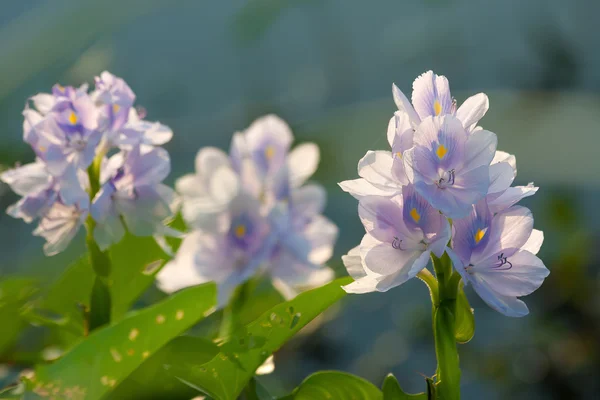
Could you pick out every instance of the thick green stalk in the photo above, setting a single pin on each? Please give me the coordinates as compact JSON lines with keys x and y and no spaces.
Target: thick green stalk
{"x":231,"y":313}
{"x":100,"y":301}
{"x":444,"y":322}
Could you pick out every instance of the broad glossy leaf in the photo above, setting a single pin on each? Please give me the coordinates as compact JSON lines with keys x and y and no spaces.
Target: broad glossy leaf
{"x":326,"y":385}
{"x":152,"y":379}
{"x":392,"y":391}
{"x":465,"y":320}
{"x":225,"y":376}
{"x":109,"y":355}
{"x":135,"y":262}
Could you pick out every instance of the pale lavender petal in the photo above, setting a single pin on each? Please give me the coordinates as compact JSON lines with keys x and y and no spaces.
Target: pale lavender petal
{"x":431,"y":95}
{"x":404,"y":105}
{"x":302,"y":162}
{"x":511,"y":196}
{"x":525,"y":275}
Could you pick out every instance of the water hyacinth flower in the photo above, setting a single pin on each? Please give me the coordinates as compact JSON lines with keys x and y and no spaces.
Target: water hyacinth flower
{"x":132,"y":189}
{"x":295,"y":240}
{"x":496,"y":254}
{"x":402,"y":232}
{"x":69,"y":129}
{"x":229,"y":255}
{"x":449,"y":166}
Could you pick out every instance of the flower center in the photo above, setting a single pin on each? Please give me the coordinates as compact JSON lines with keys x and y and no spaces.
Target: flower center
{"x":116,"y":108}
{"x":240,"y":231}
{"x":437,"y":107}
{"x":441,"y":151}
{"x":73,"y":118}
{"x":415,"y":215}
{"x":479,"y":235}
{"x":269,"y":152}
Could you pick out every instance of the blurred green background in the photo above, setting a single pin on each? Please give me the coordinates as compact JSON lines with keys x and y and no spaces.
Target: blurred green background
{"x":208,"y":69}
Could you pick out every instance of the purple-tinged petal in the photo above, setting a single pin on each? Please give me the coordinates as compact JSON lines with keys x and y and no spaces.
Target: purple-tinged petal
{"x":507,"y":305}
{"x":480,"y":149}
{"x":501,"y":177}
{"x":415,"y":265}
{"x":59,"y":227}
{"x":509,"y":231}
{"x":525,"y":275}
{"x":268,"y":139}
{"x":431,"y":95}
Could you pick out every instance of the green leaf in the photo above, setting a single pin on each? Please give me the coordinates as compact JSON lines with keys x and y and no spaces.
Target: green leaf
{"x":392,"y":391}
{"x":465,"y":320}
{"x":135,"y":262}
{"x":109,"y":355}
{"x":327,"y":385}
{"x":152,"y":381}
{"x":225,"y":376}
{"x":14,"y":293}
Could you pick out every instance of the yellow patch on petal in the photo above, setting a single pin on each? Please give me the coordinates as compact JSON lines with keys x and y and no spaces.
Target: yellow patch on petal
{"x":73,"y":118}
{"x":479,"y":235}
{"x":437,"y":107}
{"x":60,"y":88}
{"x":441,"y":151}
{"x":116,"y":108}
{"x":269,"y":152}
{"x":415,"y":215}
{"x":240,"y":231}
{"x":399,"y":154}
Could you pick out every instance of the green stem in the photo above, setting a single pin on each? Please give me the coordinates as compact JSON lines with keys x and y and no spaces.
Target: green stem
{"x":231,"y":313}
{"x":444,"y":321}
{"x":100,"y":301}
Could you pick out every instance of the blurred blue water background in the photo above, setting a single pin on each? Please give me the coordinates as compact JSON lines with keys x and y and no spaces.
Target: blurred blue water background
{"x":208,"y":69}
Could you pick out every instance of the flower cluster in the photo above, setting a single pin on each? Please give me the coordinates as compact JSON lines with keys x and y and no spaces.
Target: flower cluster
{"x":71,"y":132}
{"x":443,"y":166}
{"x":251,"y":211}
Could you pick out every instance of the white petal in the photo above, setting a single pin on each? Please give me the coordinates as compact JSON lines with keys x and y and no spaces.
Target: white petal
{"x":534,"y":243}
{"x":502,"y":156}
{"x":511,"y":196}
{"x":27,"y":179}
{"x":473,"y":109}
{"x":267,"y":367}
{"x":404,"y":105}
{"x":360,"y":188}
{"x":353,"y":263}
{"x":376,"y":168}
{"x":209,"y":159}
{"x":224,"y":185}
{"x":303,"y":161}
